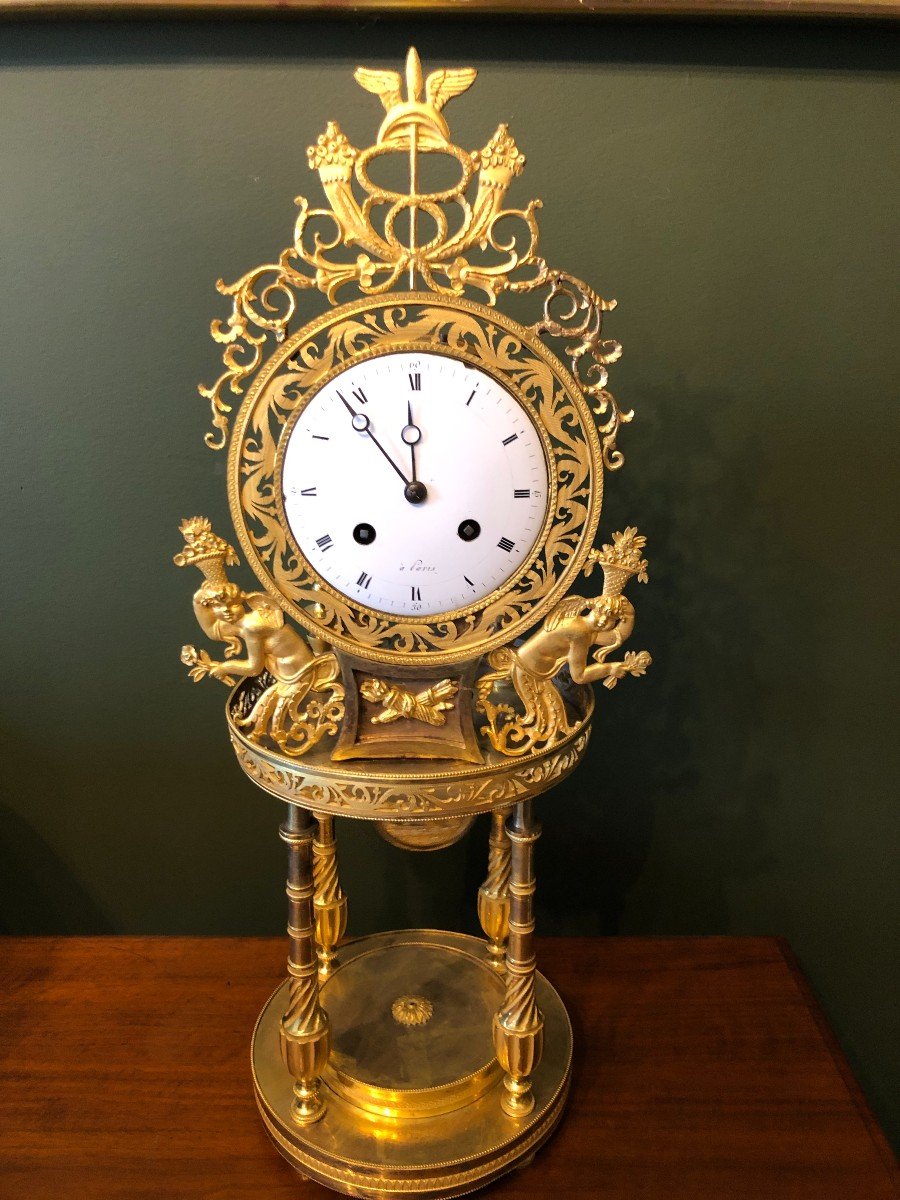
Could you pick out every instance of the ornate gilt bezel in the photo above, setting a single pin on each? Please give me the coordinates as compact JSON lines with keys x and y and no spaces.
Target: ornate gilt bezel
{"x":392,"y":347}
{"x":484,"y":338}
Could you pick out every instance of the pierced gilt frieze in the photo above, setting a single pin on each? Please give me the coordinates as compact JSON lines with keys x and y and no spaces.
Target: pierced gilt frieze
{"x":322,"y":788}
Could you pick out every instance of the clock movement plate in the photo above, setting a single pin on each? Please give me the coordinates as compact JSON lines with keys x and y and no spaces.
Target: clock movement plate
{"x":413,"y":790}
{"x":412,"y":1087}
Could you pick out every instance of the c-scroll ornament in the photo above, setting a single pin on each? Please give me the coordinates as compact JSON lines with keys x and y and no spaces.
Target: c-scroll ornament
{"x":301,"y":700}
{"x":566,"y":638}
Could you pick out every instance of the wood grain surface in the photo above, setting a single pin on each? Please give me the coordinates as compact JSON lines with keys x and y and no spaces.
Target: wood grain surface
{"x":703,"y":1070}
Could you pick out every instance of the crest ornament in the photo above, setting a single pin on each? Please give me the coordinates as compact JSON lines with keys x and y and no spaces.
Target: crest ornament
{"x":415,"y":479}
{"x":476,"y":246}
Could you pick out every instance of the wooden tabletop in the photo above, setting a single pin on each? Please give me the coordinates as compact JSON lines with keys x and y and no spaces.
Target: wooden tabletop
{"x":703,"y":1069}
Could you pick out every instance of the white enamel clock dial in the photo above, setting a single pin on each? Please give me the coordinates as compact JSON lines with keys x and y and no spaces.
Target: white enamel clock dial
{"x":415,"y":484}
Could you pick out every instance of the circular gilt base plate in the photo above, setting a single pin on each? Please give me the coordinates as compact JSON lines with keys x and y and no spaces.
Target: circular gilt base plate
{"x":411,"y":1028}
{"x":436,"y":1061}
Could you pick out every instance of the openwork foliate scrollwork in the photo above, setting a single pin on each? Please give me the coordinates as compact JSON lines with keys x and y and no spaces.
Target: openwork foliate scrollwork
{"x":328,"y":791}
{"x":446,"y":241}
{"x":574,"y":312}
{"x":487,"y":340}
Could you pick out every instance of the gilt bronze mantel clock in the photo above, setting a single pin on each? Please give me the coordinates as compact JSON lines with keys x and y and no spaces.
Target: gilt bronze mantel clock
{"x":415,"y":479}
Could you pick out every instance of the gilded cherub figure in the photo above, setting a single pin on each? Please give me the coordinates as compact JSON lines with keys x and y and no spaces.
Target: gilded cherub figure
{"x":295,"y":672}
{"x":568,"y":635}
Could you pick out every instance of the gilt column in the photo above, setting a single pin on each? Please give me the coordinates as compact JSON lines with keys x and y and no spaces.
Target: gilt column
{"x":519,"y":1025}
{"x":330,"y":903}
{"x":305,"y":1031}
{"x":493,"y":895}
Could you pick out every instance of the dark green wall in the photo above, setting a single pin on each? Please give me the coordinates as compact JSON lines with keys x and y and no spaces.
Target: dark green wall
{"x":735,"y":188}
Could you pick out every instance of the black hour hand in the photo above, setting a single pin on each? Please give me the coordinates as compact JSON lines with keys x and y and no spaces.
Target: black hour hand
{"x":362,"y":424}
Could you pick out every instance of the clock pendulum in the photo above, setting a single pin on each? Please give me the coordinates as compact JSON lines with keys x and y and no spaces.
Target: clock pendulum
{"x":415,"y":479}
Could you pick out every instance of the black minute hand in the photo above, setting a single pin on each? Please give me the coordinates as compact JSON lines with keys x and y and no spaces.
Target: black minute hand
{"x":362,"y":424}
{"x":415,"y":492}
{"x":412,"y":443}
